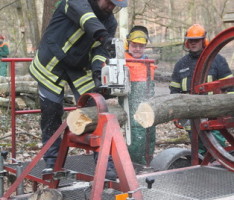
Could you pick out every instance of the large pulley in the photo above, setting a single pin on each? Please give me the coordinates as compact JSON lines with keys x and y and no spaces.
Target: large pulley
{"x":204,"y":127}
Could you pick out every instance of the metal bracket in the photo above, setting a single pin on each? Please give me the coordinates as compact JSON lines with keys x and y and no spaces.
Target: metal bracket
{"x":67,"y":174}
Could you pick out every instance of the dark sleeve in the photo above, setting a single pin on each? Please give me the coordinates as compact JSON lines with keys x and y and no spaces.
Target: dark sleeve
{"x":98,"y":54}
{"x":223,"y":70}
{"x":81,"y":13}
{"x":175,"y":84}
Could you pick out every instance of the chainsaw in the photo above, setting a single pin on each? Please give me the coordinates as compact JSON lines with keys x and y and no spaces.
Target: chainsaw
{"x":115,"y":77}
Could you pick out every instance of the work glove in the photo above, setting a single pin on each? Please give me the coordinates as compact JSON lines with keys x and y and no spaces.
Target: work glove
{"x":105,"y":92}
{"x":97,"y":78}
{"x":108,"y":46}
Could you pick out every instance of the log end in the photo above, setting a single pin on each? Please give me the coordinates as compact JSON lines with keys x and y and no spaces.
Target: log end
{"x":77,"y":121}
{"x":144,"y":115}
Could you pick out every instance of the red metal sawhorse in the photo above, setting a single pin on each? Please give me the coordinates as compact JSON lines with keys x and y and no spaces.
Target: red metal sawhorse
{"x":106,"y":139}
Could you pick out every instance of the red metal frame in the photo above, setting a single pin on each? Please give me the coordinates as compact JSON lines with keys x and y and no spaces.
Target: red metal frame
{"x":107,"y":139}
{"x":140,"y":60}
{"x":14,"y":112}
{"x":199,"y":86}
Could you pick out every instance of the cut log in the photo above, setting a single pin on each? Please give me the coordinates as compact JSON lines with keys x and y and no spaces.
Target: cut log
{"x":4,"y":102}
{"x":165,"y":108}
{"x":157,"y":110}
{"x":20,"y":102}
{"x":83,"y":120}
{"x":28,"y":77}
{"x":21,"y":86}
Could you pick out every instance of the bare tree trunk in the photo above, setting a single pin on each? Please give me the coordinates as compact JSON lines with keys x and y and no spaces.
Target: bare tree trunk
{"x":49,"y":7}
{"x":22,"y":42}
{"x":39,"y":10}
{"x":31,"y":17}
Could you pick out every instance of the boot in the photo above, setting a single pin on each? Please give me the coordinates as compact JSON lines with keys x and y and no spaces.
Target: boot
{"x":51,"y":119}
{"x":48,"y":169}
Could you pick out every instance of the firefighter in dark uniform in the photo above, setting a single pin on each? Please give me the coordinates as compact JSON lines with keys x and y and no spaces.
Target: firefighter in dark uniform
{"x":72,"y":51}
{"x":195,"y":42}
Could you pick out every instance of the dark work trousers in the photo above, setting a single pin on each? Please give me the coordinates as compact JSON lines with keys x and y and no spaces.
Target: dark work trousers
{"x":51,"y":119}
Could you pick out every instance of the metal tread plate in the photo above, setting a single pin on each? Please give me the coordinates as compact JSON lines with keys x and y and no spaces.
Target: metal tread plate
{"x":192,"y":183}
{"x":199,"y":183}
{"x":79,"y":163}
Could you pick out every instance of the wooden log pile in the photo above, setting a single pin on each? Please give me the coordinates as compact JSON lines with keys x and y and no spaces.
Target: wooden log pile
{"x":26,"y":92}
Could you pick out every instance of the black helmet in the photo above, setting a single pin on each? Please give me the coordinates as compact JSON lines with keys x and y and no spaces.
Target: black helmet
{"x":120,"y":3}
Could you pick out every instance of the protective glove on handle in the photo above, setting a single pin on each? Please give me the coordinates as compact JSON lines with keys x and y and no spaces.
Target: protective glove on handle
{"x":97,"y":78}
{"x":105,"y":92}
{"x":106,"y":42}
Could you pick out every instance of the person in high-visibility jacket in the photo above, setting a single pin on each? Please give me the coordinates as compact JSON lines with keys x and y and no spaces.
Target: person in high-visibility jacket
{"x":142,"y":144}
{"x":4,"y":52}
{"x":195,"y":42}
{"x":73,"y":49}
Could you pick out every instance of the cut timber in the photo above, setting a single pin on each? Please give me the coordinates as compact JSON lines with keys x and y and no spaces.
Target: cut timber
{"x":28,"y":77}
{"x":4,"y":102}
{"x":83,"y":120}
{"x":20,"y":102}
{"x":164,"y":108}
{"x":21,"y":86}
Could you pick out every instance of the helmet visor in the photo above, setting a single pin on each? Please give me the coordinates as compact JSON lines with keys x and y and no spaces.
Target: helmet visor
{"x":190,"y":37}
{"x":120,"y":3}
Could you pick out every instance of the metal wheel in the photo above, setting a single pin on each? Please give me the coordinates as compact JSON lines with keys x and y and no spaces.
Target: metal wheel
{"x":199,"y":86}
{"x":172,"y":158}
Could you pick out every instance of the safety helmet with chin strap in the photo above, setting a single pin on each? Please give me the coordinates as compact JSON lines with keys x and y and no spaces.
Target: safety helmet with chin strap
{"x":120,"y":3}
{"x":138,"y":34}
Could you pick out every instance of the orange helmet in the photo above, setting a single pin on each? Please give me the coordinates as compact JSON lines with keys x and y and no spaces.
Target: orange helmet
{"x":196,"y":31}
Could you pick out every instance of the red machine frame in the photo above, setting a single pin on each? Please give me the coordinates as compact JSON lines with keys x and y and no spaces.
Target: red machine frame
{"x":15,"y":112}
{"x":199,"y":86}
{"x":106,"y":139}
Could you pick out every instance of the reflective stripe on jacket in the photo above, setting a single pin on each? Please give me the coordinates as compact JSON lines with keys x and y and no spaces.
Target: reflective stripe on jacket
{"x":184,"y":68}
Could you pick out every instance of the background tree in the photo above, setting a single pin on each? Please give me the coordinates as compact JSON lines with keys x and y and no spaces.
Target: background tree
{"x":49,"y":7}
{"x":23,"y":22}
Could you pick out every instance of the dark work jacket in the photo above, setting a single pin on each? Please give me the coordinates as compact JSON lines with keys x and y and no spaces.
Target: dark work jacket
{"x":184,"y":69}
{"x":69,"y":46}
